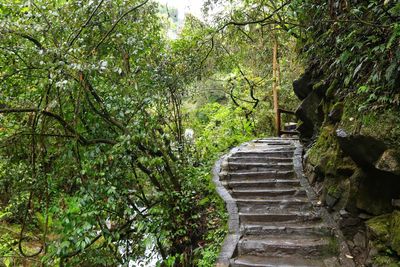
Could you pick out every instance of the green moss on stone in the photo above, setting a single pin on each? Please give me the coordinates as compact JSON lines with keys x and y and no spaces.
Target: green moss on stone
{"x":320,"y":88}
{"x":334,"y":190}
{"x":332,"y":248}
{"x":395,"y":231}
{"x":338,"y":105}
{"x":330,"y":93}
{"x":381,"y":124}
{"x":325,"y":146}
{"x":326,"y":153}
{"x":379,"y":226}
{"x":385,"y":233}
{"x":327,"y":158}
{"x":385,"y":261}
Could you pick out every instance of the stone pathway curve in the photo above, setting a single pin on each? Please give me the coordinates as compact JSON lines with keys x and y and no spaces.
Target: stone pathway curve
{"x":274,"y":217}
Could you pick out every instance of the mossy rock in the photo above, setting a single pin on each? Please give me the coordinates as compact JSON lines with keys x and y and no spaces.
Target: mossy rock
{"x":383,"y":125}
{"x":329,"y":162}
{"x":354,"y":184}
{"x":327,"y":156}
{"x":325,"y":145}
{"x":309,"y":111}
{"x":330,"y":92}
{"x":385,"y":261}
{"x":384,"y":230}
{"x":378,"y":227}
{"x":395,"y":231}
{"x":336,"y":112}
{"x":320,"y":88}
{"x":389,"y":161}
{"x":375,"y":191}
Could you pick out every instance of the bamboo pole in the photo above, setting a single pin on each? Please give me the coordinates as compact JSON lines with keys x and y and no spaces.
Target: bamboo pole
{"x":275,"y":84}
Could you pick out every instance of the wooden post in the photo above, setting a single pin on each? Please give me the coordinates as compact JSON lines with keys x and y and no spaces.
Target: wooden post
{"x":275,"y":84}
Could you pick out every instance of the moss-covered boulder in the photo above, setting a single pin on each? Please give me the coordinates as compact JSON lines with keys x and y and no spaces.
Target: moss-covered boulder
{"x":378,"y":228}
{"x":382,"y":125}
{"x":336,"y":112}
{"x":384,"y":232}
{"x":327,"y":156}
{"x":389,"y":161}
{"x":364,"y":150}
{"x":324,"y":152}
{"x":353,"y":161}
{"x":371,"y":149}
{"x":333,"y":169}
{"x":395,"y":231}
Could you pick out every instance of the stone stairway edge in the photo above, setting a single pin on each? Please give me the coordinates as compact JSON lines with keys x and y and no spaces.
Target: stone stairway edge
{"x":231,"y":240}
{"x":345,"y":257}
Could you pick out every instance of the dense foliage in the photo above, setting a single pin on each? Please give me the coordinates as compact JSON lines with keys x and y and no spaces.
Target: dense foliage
{"x":95,"y":166}
{"x":356,"y":44}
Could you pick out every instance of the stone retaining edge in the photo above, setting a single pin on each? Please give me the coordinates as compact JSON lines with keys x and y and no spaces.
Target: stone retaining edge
{"x":298,"y":168}
{"x":232,"y":238}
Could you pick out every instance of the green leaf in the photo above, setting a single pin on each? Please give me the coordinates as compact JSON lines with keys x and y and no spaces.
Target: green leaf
{"x":7,"y":261}
{"x":65,"y":244}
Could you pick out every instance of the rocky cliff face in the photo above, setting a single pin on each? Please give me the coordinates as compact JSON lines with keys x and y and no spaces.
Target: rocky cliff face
{"x":353,"y":162}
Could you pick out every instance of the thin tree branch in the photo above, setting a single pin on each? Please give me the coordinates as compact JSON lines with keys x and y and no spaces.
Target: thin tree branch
{"x":63,"y":123}
{"x":116,"y":23}
{"x":85,"y":24}
{"x":260,"y":21}
{"x":28,"y":37}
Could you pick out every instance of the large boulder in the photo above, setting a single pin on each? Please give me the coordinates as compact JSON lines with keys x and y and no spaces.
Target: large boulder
{"x":389,"y":161}
{"x":376,"y":189}
{"x":303,"y":86}
{"x":364,"y":150}
{"x":379,"y":181}
{"x":311,"y":115}
{"x":384,"y":230}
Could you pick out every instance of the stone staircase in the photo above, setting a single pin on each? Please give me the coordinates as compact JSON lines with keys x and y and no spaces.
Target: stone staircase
{"x":273,"y":221}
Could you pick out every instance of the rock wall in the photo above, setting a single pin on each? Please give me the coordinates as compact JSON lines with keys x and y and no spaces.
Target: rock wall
{"x":353,"y":162}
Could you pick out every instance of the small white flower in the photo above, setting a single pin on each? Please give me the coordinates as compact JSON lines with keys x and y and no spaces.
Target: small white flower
{"x":103,"y":65}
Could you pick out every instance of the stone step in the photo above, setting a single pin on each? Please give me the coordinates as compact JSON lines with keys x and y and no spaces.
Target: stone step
{"x":270,"y":183}
{"x":267,"y":205}
{"x":264,"y":175}
{"x":273,"y":141}
{"x":281,"y":246}
{"x":267,"y":192}
{"x":235,"y":166}
{"x":259,"y":261}
{"x":261,"y":153}
{"x":289,"y":228}
{"x":277,"y":216}
{"x":268,"y":147}
{"x":270,"y":160}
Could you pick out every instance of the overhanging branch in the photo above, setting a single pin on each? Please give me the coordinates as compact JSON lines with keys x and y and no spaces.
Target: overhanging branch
{"x":259,"y":21}
{"x":62,"y":122}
